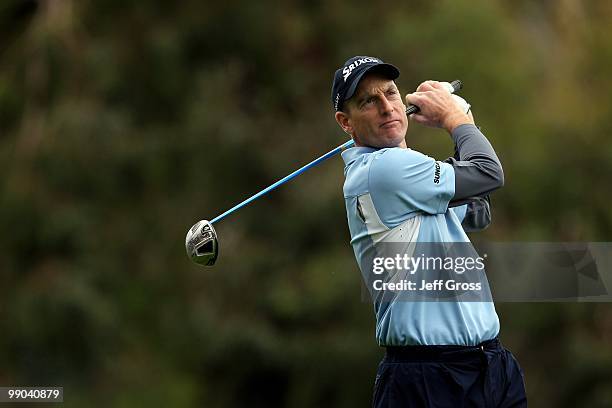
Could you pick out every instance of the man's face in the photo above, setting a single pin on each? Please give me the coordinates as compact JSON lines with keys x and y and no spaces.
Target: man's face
{"x":376,"y":115}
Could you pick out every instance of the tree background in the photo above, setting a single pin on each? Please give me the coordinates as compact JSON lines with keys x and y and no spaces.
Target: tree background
{"x":123,"y":123}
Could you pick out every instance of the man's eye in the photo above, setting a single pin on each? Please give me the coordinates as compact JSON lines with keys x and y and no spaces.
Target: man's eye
{"x":367,"y":102}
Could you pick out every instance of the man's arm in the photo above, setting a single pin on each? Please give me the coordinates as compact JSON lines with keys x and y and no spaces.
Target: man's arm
{"x":485,"y":171}
{"x":478,"y":170}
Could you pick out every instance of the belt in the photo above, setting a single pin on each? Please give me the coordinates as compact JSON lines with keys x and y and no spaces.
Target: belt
{"x":398,"y":354}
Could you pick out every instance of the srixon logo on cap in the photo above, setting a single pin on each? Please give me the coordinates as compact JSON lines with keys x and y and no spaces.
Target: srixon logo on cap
{"x":348,"y":70}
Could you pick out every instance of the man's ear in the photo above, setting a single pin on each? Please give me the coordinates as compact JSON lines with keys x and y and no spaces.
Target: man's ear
{"x":344,"y":122}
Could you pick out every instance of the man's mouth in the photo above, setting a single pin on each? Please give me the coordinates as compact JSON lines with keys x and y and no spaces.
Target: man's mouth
{"x":389,"y":123}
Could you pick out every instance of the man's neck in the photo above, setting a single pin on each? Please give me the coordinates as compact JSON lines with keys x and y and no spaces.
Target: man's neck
{"x":402,"y":145}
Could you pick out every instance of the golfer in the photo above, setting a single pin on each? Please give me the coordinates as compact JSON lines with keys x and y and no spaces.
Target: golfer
{"x":438,"y":354}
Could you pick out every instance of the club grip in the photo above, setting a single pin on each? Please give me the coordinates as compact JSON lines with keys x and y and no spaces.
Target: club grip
{"x":456,"y":84}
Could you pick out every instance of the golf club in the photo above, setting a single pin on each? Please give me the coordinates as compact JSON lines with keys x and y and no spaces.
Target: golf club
{"x":201,"y":242}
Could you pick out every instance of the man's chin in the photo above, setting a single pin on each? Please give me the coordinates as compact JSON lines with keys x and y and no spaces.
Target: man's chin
{"x":395,"y":141}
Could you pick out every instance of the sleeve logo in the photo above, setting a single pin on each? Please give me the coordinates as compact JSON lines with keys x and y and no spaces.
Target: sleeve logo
{"x":436,"y":179}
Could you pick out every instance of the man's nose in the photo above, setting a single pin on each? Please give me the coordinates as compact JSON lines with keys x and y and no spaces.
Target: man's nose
{"x":385,"y":106}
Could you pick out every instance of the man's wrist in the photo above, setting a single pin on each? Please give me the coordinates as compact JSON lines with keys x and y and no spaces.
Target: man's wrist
{"x":455,"y":120}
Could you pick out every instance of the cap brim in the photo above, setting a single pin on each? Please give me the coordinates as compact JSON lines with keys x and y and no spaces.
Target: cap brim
{"x":388,"y":70}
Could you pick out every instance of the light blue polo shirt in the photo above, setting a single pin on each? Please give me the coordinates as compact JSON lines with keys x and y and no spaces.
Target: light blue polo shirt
{"x":401,"y":195}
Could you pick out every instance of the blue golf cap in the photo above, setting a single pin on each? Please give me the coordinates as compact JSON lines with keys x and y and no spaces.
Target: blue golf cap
{"x":347,"y":78}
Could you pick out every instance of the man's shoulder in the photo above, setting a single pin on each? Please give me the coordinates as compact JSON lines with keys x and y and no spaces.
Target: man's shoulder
{"x":396,"y":161}
{"x":398,"y":154}
{"x":386,"y":153}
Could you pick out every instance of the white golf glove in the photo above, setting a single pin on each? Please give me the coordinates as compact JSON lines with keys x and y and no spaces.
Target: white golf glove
{"x":465,"y":107}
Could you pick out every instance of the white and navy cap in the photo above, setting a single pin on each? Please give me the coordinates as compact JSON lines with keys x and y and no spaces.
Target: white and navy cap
{"x":347,"y":78}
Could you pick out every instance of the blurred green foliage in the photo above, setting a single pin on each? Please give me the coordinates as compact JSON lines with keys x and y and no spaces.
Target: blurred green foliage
{"x":123,"y":123}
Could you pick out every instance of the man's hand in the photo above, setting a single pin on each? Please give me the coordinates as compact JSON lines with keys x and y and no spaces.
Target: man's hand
{"x":437,"y":107}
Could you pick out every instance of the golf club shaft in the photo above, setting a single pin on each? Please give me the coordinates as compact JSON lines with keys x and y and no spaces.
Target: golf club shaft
{"x":350,"y":143}
{"x":285,"y":179}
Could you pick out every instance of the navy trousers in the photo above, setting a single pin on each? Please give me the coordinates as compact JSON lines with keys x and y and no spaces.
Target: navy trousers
{"x":485,"y":376}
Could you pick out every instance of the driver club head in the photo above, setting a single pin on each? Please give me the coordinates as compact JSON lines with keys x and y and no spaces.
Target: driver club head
{"x":201,"y":243}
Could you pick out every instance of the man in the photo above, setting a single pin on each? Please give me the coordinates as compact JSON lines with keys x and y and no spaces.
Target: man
{"x":440,"y":353}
